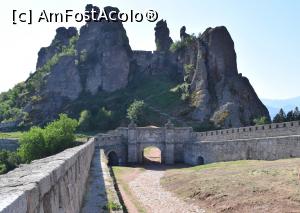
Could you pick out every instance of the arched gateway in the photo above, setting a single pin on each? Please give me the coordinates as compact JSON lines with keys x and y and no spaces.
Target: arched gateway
{"x":181,"y":144}
{"x":130,"y":142}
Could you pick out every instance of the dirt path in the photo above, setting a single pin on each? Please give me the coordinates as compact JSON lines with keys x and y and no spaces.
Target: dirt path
{"x":146,"y":187}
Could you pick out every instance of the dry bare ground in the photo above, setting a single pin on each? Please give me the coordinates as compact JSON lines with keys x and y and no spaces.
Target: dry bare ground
{"x":240,"y":186}
{"x":141,"y":189}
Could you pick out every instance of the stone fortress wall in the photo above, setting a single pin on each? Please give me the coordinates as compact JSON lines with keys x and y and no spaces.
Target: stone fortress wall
{"x":53,"y":184}
{"x":262,"y":142}
{"x":271,"y":148}
{"x":182,"y":145}
{"x":251,"y":132}
{"x":154,"y":62}
{"x":58,"y":183}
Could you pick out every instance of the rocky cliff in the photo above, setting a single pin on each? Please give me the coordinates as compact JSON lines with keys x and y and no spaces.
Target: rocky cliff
{"x":219,"y":93}
{"x":78,"y":67}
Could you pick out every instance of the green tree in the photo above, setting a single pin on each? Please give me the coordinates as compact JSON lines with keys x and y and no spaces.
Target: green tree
{"x":261,"y":120}
{"x":59,"y":134}
{"x":135,"y":112}
{"x":32,"y":145}
{"x":290,"y":116}
{"x":296,"y":114}
{"x":103,"y":119}
{"x":280,"y":117}
{"x":84,"y":122}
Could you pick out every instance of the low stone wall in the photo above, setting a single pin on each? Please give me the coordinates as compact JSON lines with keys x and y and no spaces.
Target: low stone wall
{"x":100,"y":188}
{"x":9,"y":144}
{"x":113,"y":143}
{"x":269,"y":148}
{"x":53,"y":184}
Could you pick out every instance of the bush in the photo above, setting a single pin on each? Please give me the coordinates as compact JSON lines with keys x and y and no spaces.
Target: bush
{"x":177,"y":46}
{"x":103,"y":119}
{"x":135,"y":112}
{"x":32,"y":145}
{"x":59,"y":134}
{"x":8,"y":161}
{"x":183,"y":90}
{"x":205,"y":126}
{"x":84,"y":122}
{"x":39,"y":143}
{"x":3,"y":168}
{"x":261,"y":120}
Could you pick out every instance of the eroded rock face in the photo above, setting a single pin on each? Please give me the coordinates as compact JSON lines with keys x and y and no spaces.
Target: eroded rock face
{"x":61,"y":38}
{"x":162,"y":36}
{"x":183,"y":34}
{"x":219,"y":93}
{"x":107,"y":54}
{"x":102,"y":60}
{"x":64,"y":82}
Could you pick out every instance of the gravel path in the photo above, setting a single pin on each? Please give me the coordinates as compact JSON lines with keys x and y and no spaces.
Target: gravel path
{"x":155,"y":198}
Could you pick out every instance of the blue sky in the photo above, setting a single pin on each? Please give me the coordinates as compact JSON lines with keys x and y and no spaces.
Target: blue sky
{"x":266,"y":35}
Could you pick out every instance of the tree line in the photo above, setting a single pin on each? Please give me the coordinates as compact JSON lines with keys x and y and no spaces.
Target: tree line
{"x":280,"y":117}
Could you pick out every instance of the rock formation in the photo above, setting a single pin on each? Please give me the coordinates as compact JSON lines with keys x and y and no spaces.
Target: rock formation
{"x":100,"y":59}
{"x":105,"y":51}
{"x":162,"y":36}
{"x":183,"y":34}
{"x":219,"y":93}
{"x":61,"y":39}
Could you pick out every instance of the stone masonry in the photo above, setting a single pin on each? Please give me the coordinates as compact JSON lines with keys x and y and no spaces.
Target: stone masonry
{"x":182,"y":145}
{"x":58,"y":183}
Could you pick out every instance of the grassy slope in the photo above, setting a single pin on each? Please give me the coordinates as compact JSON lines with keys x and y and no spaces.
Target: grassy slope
{"x":81,"y":137}
{"x":154,"y":90}
{"x":241,"y":186}
{"x":6,"y":135}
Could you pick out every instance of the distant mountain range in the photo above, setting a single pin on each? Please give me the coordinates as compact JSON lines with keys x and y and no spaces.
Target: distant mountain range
{"x":286,"y":104}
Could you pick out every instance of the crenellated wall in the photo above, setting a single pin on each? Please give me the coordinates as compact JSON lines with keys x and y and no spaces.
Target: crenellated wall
{"x":53,"y":184}
{"x":242,"y":149}
{"x":262,"y":142}
{"x":259,"y":131}
{"x":265,"y":142}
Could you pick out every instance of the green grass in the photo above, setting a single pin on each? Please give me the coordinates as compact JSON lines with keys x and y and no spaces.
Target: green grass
{"x":8,"y":135}
{"x":112,"y":206}
{"x":82,"y":137}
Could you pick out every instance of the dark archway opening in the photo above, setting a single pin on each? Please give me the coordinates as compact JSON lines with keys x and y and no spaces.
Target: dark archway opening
{"x":152,"y":155}
{"x":113,"y":159}
{"x":200,"y":160}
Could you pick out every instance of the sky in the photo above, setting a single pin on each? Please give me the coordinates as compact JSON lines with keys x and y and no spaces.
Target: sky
{"x":266,"y":34}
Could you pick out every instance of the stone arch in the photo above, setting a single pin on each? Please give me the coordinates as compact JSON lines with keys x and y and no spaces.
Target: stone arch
{"x":154,"y":155}
{"x":112,"y":158}
{"x":159,"y":146}
{"x":200,"y":160}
